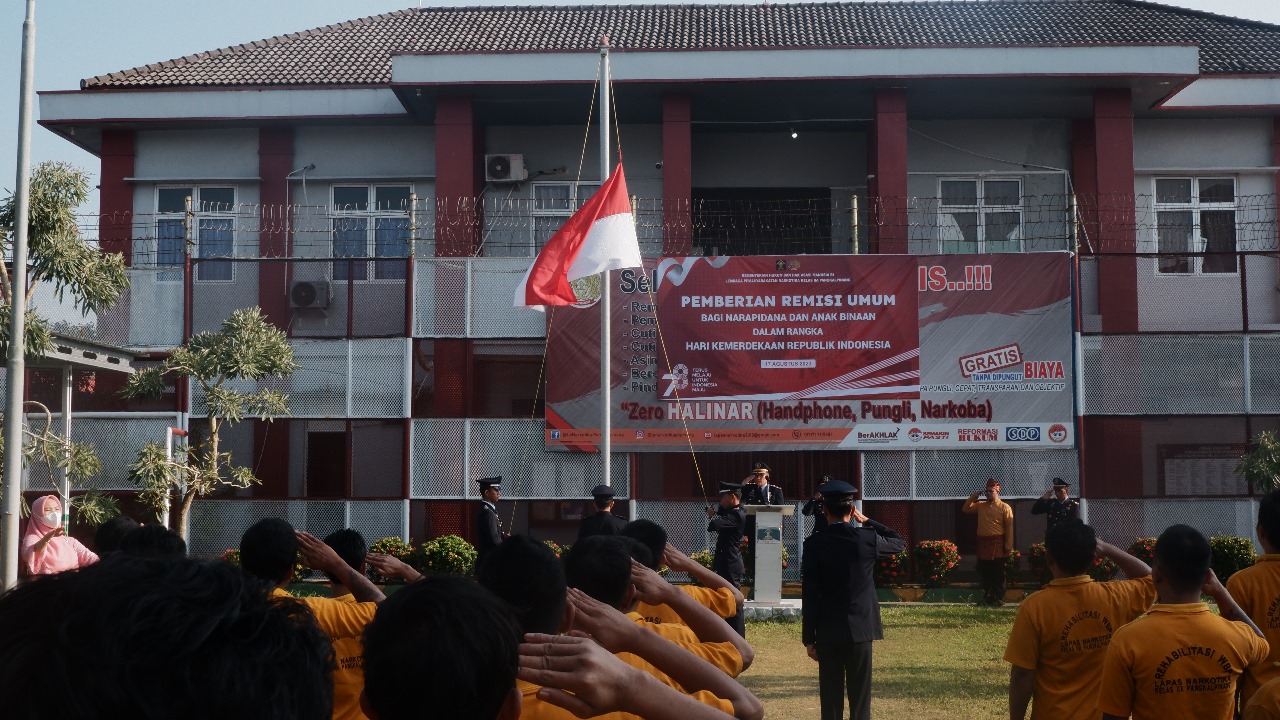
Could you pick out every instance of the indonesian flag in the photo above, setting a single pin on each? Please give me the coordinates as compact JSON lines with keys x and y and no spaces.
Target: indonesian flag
{"x":599,"y":237}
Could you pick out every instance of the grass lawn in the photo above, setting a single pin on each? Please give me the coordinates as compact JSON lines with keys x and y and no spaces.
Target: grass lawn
{"x":935,"y":663}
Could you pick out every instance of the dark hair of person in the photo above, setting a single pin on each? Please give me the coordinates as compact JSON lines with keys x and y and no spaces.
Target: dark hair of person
{"x":837,"y":507}
{"x":149,"y":639}
{"x":107,"y":538}
{"x":600,"y":566}
{"x":1183,"y":556}
{"x":268,"y":550}
{"x":602,"y":503}
{"x":440,"y":647}
{"x":651,"y":535}
{"x":1269,"y":517}
{"x":155,"y":541}
{"x":528,"y":577}
{"x":350,"y":546}
{"x":1072,"y":545}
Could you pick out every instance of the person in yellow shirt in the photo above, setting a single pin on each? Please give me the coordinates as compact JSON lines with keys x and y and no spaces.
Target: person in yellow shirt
{"x":1257,"y":589}
{"x":527,"y":576}
{"x":1265,"y":703}
{"x":715,"y":593}
{"x":1061,"y":633}
{"x":995,"y":540}
{"x":268,"y":551}
{"x":348,"y":676}
{"x":1180,"y":660}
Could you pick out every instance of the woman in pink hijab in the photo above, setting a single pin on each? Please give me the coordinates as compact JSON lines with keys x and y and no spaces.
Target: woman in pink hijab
{"x":46,"y":547}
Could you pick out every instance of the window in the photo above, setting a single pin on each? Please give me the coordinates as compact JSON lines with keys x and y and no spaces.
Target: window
{"x":1196,"y":215}
{"x":213,"y":215}
{"x":370,"y":221}
{"x":980,"y":215}
{"x":553,"y":203}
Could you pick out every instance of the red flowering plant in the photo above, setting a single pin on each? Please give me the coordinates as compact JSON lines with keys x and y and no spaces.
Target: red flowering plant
{"x":934,"y":560}
{"x":396,"y":548}
{"x":1102,"y":569}
{"x":1143,"y":548}
{"x":1038,"y":563}
{"x":556,"y":548}
{"x":891,"y":569}
{"x":1012,"y":563}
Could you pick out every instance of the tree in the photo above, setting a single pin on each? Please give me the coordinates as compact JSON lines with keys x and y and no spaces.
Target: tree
{"x":1260,"y":466}
{"x":59,"y":257}
{"x":246,"y":348}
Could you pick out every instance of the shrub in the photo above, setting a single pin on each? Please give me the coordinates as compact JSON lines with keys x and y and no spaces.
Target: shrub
{"x":1230,"y":554}
{"x":1038,"y":563}
{"x":1102,"y":569}
{"x":891,"y":569}
{"x":1011,"y":563}
{"x":395,"y":547}
{"x":557,"y":549}
{"x":703,"y":558}
{"x":300,"y":571}
{"x":934,"y":560}
{"x":446,"y":555}
{"x":1143,"y":548}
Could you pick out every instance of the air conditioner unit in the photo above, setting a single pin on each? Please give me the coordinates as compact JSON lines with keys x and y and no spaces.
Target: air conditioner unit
{"x":309,"y":294}
{"x":505,"y":168}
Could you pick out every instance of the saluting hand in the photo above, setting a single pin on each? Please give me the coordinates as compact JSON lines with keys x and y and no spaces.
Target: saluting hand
{"x":609,"y":627}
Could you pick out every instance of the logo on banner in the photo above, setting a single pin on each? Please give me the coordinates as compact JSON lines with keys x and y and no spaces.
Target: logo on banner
{"x":1057,"y":433}
{"x":991,"y":360}
{"x":977,"y":435}
{"x":1022,"y":434}
{"x":678,"y":379}
{"x":916,"y":434}
{"x":555,"y":434}
{"x":878,"y":436}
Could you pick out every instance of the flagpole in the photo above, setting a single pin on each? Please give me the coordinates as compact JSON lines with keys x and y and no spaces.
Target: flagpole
{"x":606,"y":379}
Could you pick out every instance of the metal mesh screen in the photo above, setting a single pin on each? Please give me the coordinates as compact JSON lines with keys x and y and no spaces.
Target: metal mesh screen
{"x":449,"y":454}
{"x":1090,"y":310}
{"x":886,"y":475}
{"x":514,"y":450}
{"x":440,"y":297}
{"x":116,"y":437}
{"x":148,"y":316}
{"x":1120,"y":521}
{"x":493,"y":284}
{"x":377,"y":459}
{"x":318,"y":388}
{"x":217,"y":525}
{"x":1264,"y":373}
{"x":686,"y":524}
{"x":378,"y":377}
{"x":1163,"y":374}
{"x":437,"y":465}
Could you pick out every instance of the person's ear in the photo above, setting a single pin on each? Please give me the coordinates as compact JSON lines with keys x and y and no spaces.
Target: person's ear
{"x":629,"y":601}
{"x":510,"y":709}
{"x":366,"y":707}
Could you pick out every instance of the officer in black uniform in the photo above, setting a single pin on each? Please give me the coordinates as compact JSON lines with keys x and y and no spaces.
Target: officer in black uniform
{"x":603,"y":522}
{"x":1058,"y":504}
{"x":756,"y":490}
{"x":728,"y":522}
{"x":813,"y":508}
{"x":839,"y":612}
{"x":488,"y":528}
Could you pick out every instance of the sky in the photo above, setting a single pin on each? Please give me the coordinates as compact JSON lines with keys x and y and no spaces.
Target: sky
{"x":76,"y":39}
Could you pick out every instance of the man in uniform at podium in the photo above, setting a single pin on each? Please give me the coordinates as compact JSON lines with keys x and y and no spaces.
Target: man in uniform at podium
{"x":603,"y":522}
{"x":488,"y":528}
{"x":756,"y":490}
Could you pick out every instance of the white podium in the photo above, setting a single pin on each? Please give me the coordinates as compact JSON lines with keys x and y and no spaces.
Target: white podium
{"x":768,"y":582}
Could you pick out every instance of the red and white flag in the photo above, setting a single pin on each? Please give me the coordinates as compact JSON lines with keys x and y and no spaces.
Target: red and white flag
{"x":599,"y":237}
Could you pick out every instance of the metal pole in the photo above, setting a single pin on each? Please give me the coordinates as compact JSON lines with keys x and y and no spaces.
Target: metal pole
{"x":17,"y":369}
{"x":606,"y":380}
{"x":67,"y":385}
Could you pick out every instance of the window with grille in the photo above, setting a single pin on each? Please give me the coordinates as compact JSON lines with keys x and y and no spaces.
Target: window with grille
{"x":980,"y":215}
{"x":213,"y":217}
{"x":1196,"y":215}
{"x":370,"y":222}
{"x":553,"y":203}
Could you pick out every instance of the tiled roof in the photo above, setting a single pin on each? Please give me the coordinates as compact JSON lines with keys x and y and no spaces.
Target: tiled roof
{"x":359,"y":52}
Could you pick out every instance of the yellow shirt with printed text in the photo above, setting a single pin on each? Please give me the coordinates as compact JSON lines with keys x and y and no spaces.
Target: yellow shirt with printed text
{"x":1178,"y":661}
{"x":1062,"y":633}
{"x":718,"y":600}
{"x":1257,"y":591}
{"x":723,"y":655}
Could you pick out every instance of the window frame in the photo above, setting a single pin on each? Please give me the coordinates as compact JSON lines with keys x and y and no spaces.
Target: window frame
{"x":371,"y":215}
{"x":198,"y":215}
{"x":981,"y":208}
{"x":579,"y":192}
{"x":1195,"y":206}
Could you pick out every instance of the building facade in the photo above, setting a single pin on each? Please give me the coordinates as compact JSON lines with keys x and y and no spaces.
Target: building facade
{"x":378,"y":187}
